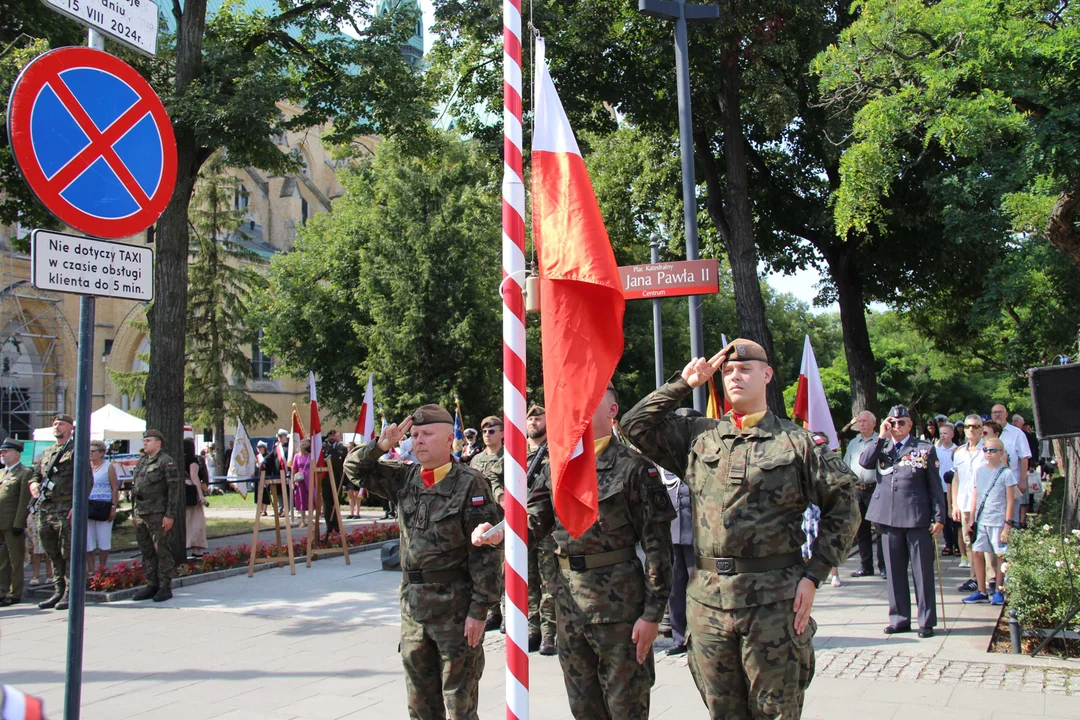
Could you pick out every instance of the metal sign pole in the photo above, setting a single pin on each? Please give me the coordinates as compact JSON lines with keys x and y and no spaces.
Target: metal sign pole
{"x":658,"y":333}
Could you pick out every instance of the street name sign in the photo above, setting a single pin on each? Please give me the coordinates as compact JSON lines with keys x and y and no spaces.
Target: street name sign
{"x":75,"y":264}
{"x":93,"y":141}
{"x":131,"y":22}
{"x":670,"y":279}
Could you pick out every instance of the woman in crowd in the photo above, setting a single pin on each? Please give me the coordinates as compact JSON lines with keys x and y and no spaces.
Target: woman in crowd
{"x":931,"y":433}
{"x":106,"y":489}
{"x":301,"y":476}
{"x":946,"y":471}
{"x":195,"y":501}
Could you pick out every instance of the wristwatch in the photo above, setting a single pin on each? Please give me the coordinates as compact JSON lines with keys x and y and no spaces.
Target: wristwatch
{"x":1012,"y":523}
{"x":811,"y":578}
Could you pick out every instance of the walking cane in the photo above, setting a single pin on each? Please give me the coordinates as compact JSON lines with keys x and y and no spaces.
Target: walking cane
{"x":940,"y":583}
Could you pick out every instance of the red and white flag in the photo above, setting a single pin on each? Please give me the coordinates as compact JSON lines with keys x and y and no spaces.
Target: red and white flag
{"x":296,"y":434}
{"x":581,"y":303}
{"x":315,"y":424}
{"x":365,"y":422}
{"x":811,"y":405}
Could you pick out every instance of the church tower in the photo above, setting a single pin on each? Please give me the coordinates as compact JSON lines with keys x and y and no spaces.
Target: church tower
{"x":414,"y":48}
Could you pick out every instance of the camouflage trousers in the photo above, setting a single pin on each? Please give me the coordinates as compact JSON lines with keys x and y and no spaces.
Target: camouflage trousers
{"x":156,"y":547}
{"x":54,"y":530}
{"x":542,"y":571}
{"x":748,"y":663}
{"x":442,"y":673}
{"x":601,"y":672}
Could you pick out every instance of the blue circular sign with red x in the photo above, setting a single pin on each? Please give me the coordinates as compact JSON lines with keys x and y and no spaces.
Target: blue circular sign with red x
{"x":93,"y":141}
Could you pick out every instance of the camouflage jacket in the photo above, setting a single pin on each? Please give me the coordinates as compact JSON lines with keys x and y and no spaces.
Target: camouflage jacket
{"x":749,"y":489}
{"x":436,"y":529}
{"x":491,"y":467}
{"x":57,"y":464}
{"x":157,"y":486}
{"x":633,"y":509}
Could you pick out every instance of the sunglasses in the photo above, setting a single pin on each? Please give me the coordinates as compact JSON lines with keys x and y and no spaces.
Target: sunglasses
{"x":973,"y":427}
{"x":491,"y":430}
{"x":991,"y":450}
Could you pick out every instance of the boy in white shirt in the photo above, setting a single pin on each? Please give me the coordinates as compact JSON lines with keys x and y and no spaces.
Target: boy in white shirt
{"x":991,"y":505}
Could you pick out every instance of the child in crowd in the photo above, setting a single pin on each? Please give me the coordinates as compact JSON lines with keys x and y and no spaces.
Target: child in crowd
{"x":993,"y":500}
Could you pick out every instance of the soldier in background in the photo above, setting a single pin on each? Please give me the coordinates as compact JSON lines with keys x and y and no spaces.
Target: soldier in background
{"x":14,"y":503}
{"x":751,"y":476}
{"x":334,"y":451}
{"x":53,"y":484}
{"x":490,"y":464}
{"x":609,"y":606}
{"x":542,"y":567}
{"x":157,"y":500}
{"x":448,"y":585}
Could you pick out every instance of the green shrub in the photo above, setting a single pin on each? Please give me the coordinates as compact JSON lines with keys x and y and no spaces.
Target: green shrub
{"x":1040,"y":564}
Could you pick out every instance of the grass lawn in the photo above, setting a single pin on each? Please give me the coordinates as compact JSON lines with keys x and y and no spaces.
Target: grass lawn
{"x":124,"y":534}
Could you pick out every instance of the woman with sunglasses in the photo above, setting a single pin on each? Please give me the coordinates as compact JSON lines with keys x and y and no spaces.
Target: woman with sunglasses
{"x":967,"y":459}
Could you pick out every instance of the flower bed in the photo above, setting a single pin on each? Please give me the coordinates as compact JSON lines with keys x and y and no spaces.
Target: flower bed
{"x":1043,"y":566}
{"x":128,"y":575}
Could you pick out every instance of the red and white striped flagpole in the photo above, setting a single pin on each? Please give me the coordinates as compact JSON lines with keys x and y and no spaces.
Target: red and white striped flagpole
{"x":513,"y":246}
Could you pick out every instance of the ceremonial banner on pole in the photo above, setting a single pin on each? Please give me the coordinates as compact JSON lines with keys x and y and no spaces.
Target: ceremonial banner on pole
{"x":316,"y":426}
{"x":365,"y":421}
{"x":242,"y":464}
{"x":718,"y":404}
{"x":296,"y":434}
{"x":581,"y":303}
{"x":811,"y":405}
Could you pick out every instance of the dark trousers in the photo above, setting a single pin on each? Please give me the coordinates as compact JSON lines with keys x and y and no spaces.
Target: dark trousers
{"x":865,"y":535}
{"x":912,"y":546}
{"x":328,"y":511}
{"x":682,"y":564}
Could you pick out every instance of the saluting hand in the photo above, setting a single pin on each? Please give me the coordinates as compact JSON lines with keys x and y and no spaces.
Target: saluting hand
{"x":393,"y":434}
{"x":698,"y":371}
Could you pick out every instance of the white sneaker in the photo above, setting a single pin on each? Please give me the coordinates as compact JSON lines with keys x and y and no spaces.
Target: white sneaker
{"x":836,"y":581}
{"x":964,"y":562}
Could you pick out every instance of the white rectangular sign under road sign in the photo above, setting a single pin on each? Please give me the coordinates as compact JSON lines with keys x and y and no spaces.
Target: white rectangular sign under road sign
{"x":79,"y":265}
{"x":131,"y":22}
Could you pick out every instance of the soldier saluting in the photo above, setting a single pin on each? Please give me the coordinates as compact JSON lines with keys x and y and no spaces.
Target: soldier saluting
{"x":447,"y":585}
{"x":751,"y":476}
{"x":157,"y":505}
{"x":52,"y":486}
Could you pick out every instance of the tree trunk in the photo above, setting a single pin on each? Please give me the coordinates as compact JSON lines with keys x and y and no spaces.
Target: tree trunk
{"x":220,"y":447}
{"x":1061,"y":229}
{"x":739,"y":236}
{"x":165,"y":382}
{"x":844,"y":271}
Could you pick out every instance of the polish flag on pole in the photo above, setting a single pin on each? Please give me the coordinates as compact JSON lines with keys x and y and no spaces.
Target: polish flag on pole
{"x":811,"y":406}
{"x":296,"y":434}
{"x":365,"y":422}
{"x":581,"y":303}
{"x":315,"y":424}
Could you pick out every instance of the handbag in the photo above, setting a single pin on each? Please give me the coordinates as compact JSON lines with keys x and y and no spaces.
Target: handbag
{"x":191,"y":495}
{"x":99,"y":510}
{"x":978,"y":514}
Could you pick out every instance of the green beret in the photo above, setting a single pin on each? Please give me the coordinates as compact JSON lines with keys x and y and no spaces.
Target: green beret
{"x":431,"y":415}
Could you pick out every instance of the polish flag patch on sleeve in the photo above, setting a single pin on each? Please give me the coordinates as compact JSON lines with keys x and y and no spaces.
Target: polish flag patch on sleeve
{"x":478,"y":500}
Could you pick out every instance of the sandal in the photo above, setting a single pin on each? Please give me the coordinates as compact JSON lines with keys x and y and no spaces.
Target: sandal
{"x":35,"y":581}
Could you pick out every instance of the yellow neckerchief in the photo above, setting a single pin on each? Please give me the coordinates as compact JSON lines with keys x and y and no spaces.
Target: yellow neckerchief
{"x":750,"y":420}
{"x":440,"y":472}
{"x":600,"y":445}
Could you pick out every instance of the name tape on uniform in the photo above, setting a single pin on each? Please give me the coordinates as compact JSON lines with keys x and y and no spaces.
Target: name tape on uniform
{"x":76,"y":264}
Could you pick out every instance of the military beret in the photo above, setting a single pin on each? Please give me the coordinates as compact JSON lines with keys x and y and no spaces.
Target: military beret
{"x":11,"y":444}
{"x":688,"y":412}
{"x":742,"y":349}
{"x":491,"y":421}
{"x":282,"y":431}
{"x":63,"y":417}
{"x":154,"y":434}
{"x":431,"y":415}
{"x":536,"y":411}
{"x":899,"y":411}
{"x":261,"y":443}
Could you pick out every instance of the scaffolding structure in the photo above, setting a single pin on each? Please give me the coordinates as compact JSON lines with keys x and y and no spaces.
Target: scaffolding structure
{"x":33,"y":327}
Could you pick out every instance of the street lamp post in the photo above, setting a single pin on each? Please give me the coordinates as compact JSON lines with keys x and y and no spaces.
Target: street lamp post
{"x":658,"y":333}
{"x":681,"y":12}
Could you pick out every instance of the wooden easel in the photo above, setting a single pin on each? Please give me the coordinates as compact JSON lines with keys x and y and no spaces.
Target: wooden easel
{"x":313,"y":513}
{"x":278,"y":488}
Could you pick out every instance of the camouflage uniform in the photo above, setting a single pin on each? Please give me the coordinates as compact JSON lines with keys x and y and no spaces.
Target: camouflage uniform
{"x":14,"y":499}
{"x":542,"y":571}
{"x":156,"y":495}
{"x":749,"y":488}
{"x":490,"y":465}
{"x":446,"y":578}
{"x":600,"y":598}
{"x":57,"y":466}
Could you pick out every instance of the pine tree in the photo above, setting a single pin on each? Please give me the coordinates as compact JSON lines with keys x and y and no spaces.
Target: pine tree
{"x":223,"y":275}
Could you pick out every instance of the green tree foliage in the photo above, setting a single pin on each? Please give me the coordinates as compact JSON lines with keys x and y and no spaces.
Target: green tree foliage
{"x":969,"y":80}
{"x":400,"y":280}
{"x":223,"y":276}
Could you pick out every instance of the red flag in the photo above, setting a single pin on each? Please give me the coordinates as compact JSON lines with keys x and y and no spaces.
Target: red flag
{"x":365,"y":422}
{"x":581,"y":304}
{"x":811,"y":405}
{"x":315,"y":424}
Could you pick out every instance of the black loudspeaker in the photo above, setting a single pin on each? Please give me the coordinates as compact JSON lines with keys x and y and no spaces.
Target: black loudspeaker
{"x":1055,"y":396}
{"x":391,"y":555}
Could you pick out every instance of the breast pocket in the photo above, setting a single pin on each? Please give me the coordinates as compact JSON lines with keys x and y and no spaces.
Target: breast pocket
{"x":613,"y":511}
{"x":773,"y":476}
{"x":707,"y":466}
{"x":446,"y":527}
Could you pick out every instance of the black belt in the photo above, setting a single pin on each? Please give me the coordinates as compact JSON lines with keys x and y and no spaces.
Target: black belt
{"x":865,"y":486}
{"x":418,"y":577}
{"x":596,"y":560}
{"x":734,"y":566}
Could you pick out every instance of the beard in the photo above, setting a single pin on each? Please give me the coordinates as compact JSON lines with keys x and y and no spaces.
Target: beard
{"x":537,"y":434}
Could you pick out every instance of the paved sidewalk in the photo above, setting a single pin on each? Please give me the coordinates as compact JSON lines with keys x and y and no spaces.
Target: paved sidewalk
{"x":323,"y":645}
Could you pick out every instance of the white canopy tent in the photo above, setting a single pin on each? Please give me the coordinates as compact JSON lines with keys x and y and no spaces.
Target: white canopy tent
{"x":108,"y":423}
